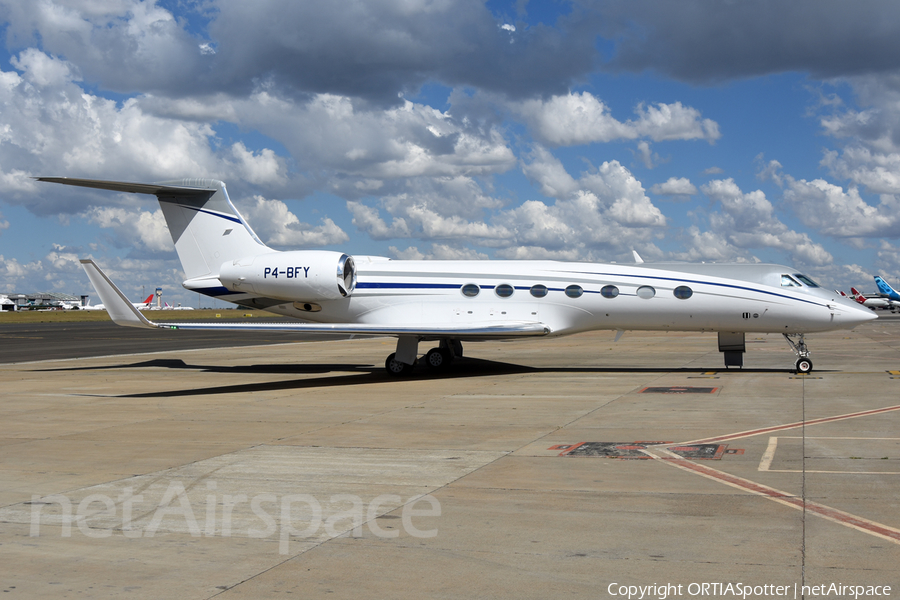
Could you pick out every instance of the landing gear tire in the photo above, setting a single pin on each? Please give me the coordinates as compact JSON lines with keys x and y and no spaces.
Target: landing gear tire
{"x":396,"y":368}
{"x":804,"y":365}
{"x":438,"y":358}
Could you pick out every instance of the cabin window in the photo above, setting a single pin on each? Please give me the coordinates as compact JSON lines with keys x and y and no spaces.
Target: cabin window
{"x":646,"y":292}
{"x":609,"y":291}
{"x":539,"y":291}
{"x":788,"y":281}
{"x":683,"y":292}
{"x":806,"y":280}
{"x":504,"y":290}
{"x":574,"y":291}
{"x":470,"y":290}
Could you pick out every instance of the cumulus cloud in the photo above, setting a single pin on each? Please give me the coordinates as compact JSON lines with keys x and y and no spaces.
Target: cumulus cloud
{"x":833,"y":210}
{"x":575,"y":118}
{"x":12,"y":272}
{"x":675,"y":186}
{"x":584,"y":217}
{"x":438,"y":252}
{"x":260,"y":168}
{"x":748,"y":221}
{"x":134,"y":227}
{"x":841,"y":213}
{"x":879,"y":173}
{"x":106,"y":40}
{"x":278,"y":226}
{"x":870,"y":156}
{"x":363,"y":146}
{"x":55,"y":126}
{"x":710,"y":246}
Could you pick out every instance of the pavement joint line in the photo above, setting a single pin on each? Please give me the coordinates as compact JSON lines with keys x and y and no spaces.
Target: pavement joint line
{"x":366,"y":522}
{"x":834,"y":515}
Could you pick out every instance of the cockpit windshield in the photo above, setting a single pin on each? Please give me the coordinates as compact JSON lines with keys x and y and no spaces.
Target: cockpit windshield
{"x":806,"y":280}
{"x":795,"y":279}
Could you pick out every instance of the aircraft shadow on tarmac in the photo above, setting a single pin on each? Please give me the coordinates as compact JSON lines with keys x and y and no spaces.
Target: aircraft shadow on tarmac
{"x":357,"y":374}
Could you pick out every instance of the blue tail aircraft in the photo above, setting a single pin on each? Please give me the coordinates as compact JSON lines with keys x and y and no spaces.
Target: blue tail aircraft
{"x":885,"y":289}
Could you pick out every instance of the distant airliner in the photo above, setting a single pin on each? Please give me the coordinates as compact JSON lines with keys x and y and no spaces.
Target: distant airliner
{"x":145,"y":305}
{"x":449,"y":302}
{"x":874,"y":302}
{"x":885,"y":289}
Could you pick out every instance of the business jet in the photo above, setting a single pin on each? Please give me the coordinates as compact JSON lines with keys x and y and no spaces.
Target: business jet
{"x":450,"y":302}
{"x":65,"y":305}
{"x":179,"y":307}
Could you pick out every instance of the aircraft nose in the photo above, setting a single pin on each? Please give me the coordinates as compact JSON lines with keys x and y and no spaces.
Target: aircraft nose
{"x":851,"y":314}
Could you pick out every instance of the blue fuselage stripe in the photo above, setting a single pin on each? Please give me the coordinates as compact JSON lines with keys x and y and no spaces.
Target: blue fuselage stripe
{"x":373,"y":285}
{"x":698,"y":281}
{"x":216,"y":291}
{"x":437,"y":286}
{"x":215,"y":214}
{"x":407,"y":286}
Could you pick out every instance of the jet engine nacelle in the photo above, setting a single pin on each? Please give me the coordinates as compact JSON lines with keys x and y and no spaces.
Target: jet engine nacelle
{"x":299,"y":276}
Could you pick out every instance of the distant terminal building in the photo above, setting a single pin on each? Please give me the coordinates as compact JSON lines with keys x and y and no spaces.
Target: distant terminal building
{"x":42,"y":301}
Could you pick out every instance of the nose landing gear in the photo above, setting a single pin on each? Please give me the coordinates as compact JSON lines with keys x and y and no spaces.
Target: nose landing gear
{"x":803,"y":364}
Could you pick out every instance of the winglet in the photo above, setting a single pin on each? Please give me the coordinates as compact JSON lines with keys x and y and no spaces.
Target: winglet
{"x":120,"y":310}
{"x":637,"y":257}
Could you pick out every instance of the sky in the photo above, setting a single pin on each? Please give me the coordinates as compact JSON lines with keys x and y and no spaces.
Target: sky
{"x":698,"y":130}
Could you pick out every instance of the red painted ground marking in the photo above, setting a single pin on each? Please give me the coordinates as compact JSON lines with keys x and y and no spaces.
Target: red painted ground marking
{"x":826,"y":512}
{"x":753,"y":432}
{"x":566,"y":448}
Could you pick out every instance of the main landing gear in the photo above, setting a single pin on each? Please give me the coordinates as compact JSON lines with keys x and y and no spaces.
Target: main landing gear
{"x":402,"y":362}
{"x":804,"y":364}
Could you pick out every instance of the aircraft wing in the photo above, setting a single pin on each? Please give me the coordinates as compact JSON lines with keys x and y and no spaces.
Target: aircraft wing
{"x":122,"y":312}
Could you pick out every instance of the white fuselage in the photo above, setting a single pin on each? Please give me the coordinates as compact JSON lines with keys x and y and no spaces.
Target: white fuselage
{"x":431,"y":292}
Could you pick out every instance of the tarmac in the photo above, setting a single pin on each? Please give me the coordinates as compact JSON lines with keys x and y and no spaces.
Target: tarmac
{"x":564,"y":468}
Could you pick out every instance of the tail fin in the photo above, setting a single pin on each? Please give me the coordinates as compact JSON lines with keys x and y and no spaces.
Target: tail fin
{"x":147,"y":301}
{"x":883,"y":286}
{"x":206,"y":227}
